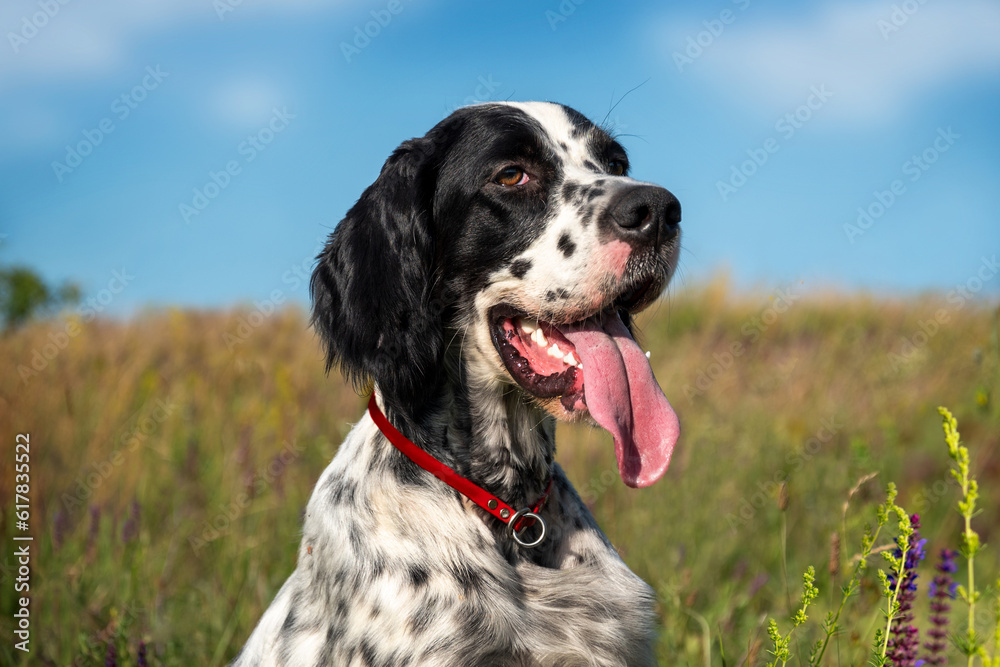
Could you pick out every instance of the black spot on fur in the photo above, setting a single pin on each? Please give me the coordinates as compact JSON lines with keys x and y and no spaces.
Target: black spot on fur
{"x":569,"y":190}
{"x":477,"y":625}
{"x":357,"y":538}
{"x":581,"y":124}
{"x":289,"y":624}
{"x":343,"y":491}
{"x":563,"y":293}
{"x":566,"y":245}
{"x":599,"y":182}
{"x":586,"y":215}
{"x":591,"y":166}
{"x":550,"y":296}
{"x":369,"y":655}
{"x":562,"y":145}
{"x":520,"y":267}
{"x":334,"y":633}
{"x":407,"y":471}
{"x":341,"y":606}
{"x":419,"y":621}
{"x":480,"y":541}
{"x":468,"y":578}
{"x":419,"y":576}
{"x":424,"y":614}
{"x":378,"y":566}
{"x":594,"y":194}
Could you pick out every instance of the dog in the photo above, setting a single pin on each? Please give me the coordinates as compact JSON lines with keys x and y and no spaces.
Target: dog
{"x":482,"y":287}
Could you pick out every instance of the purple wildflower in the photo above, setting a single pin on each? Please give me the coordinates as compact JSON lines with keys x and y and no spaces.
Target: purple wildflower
{"x":95,"y":524}
{"x":904,"y":636}
{"x":942,"y":589}
{"x":757,"y":583}
{"x":130,"y":530}
{"x":142,"y":655}
{"x":111,"y":656}
{"x":60,"y":525}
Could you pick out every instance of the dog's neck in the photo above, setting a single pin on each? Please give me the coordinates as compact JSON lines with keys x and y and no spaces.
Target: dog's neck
{"x":509,"y":443}
{"x":488,"y":433}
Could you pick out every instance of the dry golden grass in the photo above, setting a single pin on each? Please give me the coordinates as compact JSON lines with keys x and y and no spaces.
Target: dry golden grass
{"x":170,"y":465}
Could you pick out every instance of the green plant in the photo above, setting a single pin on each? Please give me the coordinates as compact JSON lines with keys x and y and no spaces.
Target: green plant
{"x":848,"y":590}
{"x":898,"y":585}
{"x":23,"y":294}
{"x":970,"y":644}
{"x":780,"y":651}
{"x":891,"y":584}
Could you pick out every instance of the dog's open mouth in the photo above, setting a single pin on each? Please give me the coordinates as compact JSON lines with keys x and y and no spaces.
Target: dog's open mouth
{"x":540,"y":358}
{"x":594,"y":365}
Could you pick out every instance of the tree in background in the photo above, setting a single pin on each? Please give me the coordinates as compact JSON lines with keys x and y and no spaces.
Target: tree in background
{"x":23,"y":295}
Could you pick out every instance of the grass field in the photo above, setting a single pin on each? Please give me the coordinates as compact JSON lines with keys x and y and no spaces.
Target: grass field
{"x":172,"y":455}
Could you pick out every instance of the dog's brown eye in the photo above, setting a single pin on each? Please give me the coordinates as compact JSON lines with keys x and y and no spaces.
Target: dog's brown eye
{"x":616,"y":168}
{"x":510,"y":176}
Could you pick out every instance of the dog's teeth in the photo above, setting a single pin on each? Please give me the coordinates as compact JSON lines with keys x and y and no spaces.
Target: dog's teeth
{"x":529,"y":326}
{"x":570,"y":359}
{"x":647,"y":354}
{"x":540,"y":338}
{"x":554,"y":351}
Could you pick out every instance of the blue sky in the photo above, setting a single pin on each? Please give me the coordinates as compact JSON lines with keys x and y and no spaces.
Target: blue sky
{"x":773,"y":123}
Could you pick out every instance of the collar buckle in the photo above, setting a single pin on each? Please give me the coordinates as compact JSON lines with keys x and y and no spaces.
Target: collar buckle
{"x":528,"y":518}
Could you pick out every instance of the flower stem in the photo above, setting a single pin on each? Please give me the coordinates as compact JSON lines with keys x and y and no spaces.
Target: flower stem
{"x":971,"y":645}
{"x":899,"y":565}
{"x":867,"y":543}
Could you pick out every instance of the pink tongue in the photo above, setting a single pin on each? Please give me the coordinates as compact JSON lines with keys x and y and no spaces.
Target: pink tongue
{"x":624,"y":398}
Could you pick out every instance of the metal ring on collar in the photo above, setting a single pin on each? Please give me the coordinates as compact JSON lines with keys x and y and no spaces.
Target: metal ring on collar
{"x":526,"y":513}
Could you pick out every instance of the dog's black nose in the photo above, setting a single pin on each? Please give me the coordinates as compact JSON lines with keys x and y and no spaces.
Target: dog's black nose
{"x":645,"y":214}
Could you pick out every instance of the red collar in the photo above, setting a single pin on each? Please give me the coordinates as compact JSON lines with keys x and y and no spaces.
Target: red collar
{"x":517,"y":521}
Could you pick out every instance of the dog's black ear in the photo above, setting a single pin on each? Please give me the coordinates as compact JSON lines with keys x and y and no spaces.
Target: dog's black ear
{"x":372,"y":287}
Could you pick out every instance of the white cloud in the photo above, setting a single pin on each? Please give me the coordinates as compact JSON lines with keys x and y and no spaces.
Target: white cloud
{"x":44,"y":39}
{"x":246,"y":101}
{"x":874,"y":70}
{"x":48,"y":44}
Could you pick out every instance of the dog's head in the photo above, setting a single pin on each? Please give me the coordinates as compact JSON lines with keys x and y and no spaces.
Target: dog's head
{"x":511,"y":238}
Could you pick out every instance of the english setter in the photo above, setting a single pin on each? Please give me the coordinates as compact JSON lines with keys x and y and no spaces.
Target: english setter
{"x":485,"y":285}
